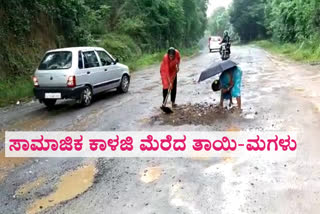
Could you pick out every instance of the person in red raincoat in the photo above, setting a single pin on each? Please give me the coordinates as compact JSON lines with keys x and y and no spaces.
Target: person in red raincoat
{"x":169,"y":69}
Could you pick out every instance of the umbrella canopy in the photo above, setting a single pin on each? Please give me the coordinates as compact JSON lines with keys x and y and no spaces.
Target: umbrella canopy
{"x":216,"y":68}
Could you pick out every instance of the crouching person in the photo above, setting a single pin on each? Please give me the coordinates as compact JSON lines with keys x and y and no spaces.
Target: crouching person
{"x":230,"y":85}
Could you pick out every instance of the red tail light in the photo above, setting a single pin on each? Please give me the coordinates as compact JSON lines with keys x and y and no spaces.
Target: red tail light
{"x":35,"y":81}
{"x":71,"y":81}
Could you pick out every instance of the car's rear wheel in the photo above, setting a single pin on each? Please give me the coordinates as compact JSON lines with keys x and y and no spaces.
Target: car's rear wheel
{"x":86,"y":96}
{"x":124,"y":85}
{"x":49,"y":102}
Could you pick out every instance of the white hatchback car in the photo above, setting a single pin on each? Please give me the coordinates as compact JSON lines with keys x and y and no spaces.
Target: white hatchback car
{"x":214,"y":43}
{"x":78,"y":73}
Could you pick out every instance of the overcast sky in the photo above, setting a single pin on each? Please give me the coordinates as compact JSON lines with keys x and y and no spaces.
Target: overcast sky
{"x":213,"y":4}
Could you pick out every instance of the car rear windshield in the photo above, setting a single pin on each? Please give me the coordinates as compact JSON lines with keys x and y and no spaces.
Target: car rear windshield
{"x":56,"y":60}
{"x":215,"y":39}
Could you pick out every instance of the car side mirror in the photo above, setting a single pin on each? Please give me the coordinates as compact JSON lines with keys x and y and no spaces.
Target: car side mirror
{"x":116,"y":61}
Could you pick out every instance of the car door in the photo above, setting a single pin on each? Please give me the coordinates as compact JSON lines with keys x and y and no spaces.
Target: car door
{"x":94,"y":70}
{"x":83,"y":75}
{"x":111,"y":75}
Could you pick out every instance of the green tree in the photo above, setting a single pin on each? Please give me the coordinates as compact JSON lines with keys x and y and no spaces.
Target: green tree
{"x":292,"y":20}
{"x":248,"y":19}
{"x":124,"y":26}
{"x":219,"y":22}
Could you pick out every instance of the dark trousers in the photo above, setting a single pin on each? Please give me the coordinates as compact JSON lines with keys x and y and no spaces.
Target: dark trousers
{"x":228,"y":47}
{"x":173,"y":92}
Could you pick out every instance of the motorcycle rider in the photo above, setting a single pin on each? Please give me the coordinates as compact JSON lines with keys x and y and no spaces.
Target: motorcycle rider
{"x":226,"y":40}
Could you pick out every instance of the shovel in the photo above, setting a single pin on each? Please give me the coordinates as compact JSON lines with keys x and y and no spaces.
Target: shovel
{"x":164,"y":108}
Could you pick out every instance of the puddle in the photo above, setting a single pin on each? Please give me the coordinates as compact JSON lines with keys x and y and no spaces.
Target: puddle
{"x":299,"y":89}
{"x":25,"y":189}
{"x":201,"y":158}
{"x":228,"y":160}
{"x":7,"y":164}
{"x":31,"y":124}
{"x":71,"y":185}
{"x":317,"y":107}
{"x":233,"y":129}
{"x":151,"y":174}
{"x":249,"y":116}
{"x":3,"y":175}
{"x":145,"y":120}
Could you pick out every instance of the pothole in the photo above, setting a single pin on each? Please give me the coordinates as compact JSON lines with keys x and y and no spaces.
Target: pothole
{"x":151,"y":174}
{"x":71,"y":185}
{"x":197,"y":114}
{"x":25,"y":189}
{"x":7,"y":164}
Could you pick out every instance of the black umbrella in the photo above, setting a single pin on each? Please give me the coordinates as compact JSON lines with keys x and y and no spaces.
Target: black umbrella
{"x":216,"y":68}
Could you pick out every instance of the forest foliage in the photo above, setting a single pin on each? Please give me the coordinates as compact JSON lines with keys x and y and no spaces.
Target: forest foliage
{"x":283,"y":21}
{"x":127,"y":28}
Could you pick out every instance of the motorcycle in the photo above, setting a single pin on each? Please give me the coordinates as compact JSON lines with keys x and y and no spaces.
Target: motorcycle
{"x":225,"y":53}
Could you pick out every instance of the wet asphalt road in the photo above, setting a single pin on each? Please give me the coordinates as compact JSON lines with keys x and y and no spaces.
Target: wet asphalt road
{"x":277,"y":95}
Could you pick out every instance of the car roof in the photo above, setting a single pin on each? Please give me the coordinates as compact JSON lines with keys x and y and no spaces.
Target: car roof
{"x":76,"y":49}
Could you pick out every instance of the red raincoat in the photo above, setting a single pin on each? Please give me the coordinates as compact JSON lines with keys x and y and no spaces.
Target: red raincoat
{"x":168,"y":69}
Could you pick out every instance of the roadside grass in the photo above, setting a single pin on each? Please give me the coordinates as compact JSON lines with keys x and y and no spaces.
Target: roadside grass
{"x":144,"y":61}
{"x":13,"y":90}
{"x":156,"y":58}
{"x":308,"y":51}
{"x":21,"y":89}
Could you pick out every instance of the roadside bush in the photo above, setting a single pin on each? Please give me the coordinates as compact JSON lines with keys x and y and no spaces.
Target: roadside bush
{"x":121,"y":46}
{"x":12,"y":91}
{"x":306,"y":51}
